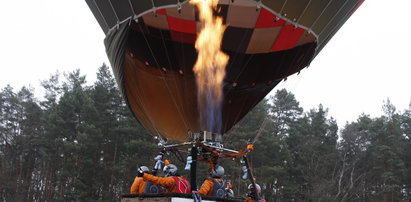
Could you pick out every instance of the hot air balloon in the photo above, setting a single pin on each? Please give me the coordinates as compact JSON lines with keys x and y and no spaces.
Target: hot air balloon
{"x":150,"y":45}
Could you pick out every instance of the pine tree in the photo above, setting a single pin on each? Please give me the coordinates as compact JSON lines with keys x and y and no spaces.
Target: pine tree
{"x":312,"y":141}
{"x":351,"y":175}
{"x":406,"y":155}
{"x":51,"y":144}
{"x":385,"y":151}
{"x":9,"y":129}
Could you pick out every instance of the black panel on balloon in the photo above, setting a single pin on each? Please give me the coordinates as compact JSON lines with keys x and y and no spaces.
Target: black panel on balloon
{"x":155,"y":47}
{"x":236,"y":39}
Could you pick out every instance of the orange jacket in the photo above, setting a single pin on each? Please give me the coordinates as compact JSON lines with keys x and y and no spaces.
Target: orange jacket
{"x":207,"y":187}
{"x":167,"y":182}
{"x":138,"y":186}
{"x":249,"y":199}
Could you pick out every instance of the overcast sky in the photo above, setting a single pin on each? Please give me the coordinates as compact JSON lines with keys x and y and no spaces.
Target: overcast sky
{"x":365,"y":63}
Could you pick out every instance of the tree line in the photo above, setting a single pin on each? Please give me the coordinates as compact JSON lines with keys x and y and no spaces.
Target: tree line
{"x":81,"y":143}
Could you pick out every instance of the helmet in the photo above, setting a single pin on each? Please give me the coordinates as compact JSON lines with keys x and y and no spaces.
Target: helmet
{"x":217,"y":171}
{"x":250,"y":187}
{"x":143,"y":169}
{"x":170,"y":170}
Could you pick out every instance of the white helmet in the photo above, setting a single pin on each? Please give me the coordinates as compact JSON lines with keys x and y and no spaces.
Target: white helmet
{"x":217,"y":171}
{"x":143,"y":169}
{"x":170,"y":170}
{"x":250,"y":187}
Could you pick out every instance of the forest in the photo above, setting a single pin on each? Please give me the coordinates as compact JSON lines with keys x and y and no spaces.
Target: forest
{"x":80,"y":142}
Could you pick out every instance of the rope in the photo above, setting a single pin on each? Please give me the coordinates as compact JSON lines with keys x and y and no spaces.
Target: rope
{"x":196,"y":196}
{"x":335,"y":14}
{"x":145,"y":113}
{"x":302,"y":13}
{"x":167,"y":86}
{"x":322,"y":12}
{"x":149,"y":47}
{"x":139,"y":100}
{"x":260,"y":130}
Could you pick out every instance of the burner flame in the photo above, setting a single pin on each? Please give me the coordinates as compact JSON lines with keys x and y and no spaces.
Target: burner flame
{"x":210,"y":66}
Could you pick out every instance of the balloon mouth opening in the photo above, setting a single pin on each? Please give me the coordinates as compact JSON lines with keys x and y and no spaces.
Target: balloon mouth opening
{"x":207,"y":136}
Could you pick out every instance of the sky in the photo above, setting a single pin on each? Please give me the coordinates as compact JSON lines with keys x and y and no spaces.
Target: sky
{"x":365,"y":63}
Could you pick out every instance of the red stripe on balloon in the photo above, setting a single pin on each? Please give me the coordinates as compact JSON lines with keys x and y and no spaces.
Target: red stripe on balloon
{"x":181,"y":25}
{"x":268,"y":19}
{"x":288,"y":38}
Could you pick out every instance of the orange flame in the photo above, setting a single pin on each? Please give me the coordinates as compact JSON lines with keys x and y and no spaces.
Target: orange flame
{"x":211,"y":61}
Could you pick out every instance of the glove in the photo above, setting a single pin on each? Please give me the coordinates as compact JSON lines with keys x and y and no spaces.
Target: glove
{"x":159,"y":161}
{"x":140,"y":173}
{"x":189,"y":161}
{"x":245,"y":172}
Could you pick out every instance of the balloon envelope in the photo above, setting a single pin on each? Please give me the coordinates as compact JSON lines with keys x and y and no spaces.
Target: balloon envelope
{"x":150,"y":44}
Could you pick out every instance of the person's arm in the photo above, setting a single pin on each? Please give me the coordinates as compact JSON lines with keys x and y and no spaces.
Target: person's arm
{"x":206,"y":187}
{"x":135,"y":186}
{"x":167,"y":182}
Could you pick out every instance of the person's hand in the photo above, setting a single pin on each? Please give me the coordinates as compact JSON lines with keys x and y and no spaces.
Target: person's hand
{"x":153,"y":172}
